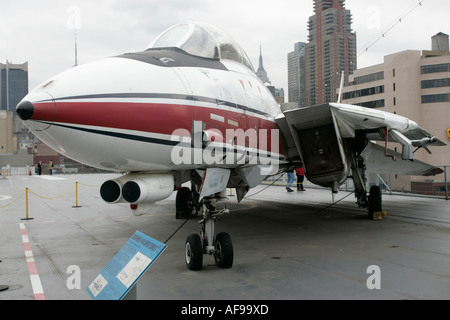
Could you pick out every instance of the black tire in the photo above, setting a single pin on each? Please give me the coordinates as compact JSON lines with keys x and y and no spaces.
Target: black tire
{"x":183,"y":203}
{"x":224,"y":250}
{"x":375,"y":200}
{"x":194,"y":252}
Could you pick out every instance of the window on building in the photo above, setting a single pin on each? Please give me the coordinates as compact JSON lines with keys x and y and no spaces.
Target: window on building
{"x":364,"y":92}
{"x":369,"y":78}
{"x":436,"y":98}
{"x":435,"y":83}
{"x":372,"y":104}
{"x":435,"y":68}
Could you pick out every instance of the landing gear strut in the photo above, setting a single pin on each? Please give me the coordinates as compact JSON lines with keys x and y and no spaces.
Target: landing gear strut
{"x":373,"y":200}
{"x":220,"y":246}
{"x":187,"y":203}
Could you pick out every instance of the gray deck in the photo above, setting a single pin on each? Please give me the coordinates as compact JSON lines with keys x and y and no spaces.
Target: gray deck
{"x":286,"y":245}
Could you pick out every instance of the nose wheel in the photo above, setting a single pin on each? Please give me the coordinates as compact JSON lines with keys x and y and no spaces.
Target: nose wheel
{"x":223,"y":250}
{"x":194,"y":252}
{"x":219,"y":246}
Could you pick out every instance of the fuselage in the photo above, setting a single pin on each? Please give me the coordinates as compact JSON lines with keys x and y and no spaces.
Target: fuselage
{"x":127,"y":113}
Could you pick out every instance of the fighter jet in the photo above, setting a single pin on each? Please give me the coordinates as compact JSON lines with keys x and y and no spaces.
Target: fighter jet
{"x":190,"y":108}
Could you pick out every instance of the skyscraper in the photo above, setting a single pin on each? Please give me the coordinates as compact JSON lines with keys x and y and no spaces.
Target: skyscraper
{"x":296,"y":74}
{"x":262,"y":73}
{"x":13,"y":85}
{"x":331,"y":49}
{"x":278,"y":93}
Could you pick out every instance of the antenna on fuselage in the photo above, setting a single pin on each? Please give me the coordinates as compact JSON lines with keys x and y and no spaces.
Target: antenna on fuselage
{"x":76,"y":48}
{"x":341,"y":87}
{"x":74,"y":23}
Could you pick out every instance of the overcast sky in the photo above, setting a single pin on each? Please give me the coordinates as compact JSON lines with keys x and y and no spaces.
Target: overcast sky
{"x":41,"y":32}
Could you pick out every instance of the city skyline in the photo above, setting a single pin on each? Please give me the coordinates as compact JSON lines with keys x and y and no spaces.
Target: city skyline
{"x":106,"y":28}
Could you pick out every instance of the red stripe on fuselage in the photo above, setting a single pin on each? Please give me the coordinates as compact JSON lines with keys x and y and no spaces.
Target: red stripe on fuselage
{"x":44,"y":111}
{"x":147,"y":117}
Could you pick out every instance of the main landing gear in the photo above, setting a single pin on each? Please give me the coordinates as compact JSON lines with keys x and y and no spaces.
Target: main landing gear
{"x":220,"y":245}
{"x":373,"y":202}
{"x":375,"y":206}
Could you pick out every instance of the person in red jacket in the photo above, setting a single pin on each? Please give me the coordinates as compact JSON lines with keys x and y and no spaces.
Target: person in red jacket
{"x":300,"y":177}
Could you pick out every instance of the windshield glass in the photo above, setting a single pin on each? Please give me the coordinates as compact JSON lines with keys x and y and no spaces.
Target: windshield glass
{"x":202,"y":40}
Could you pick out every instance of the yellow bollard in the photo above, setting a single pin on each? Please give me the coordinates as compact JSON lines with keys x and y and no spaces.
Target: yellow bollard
{"x":26,"y":205}
{"x":26,"y":201}
{"x":76,"y":196}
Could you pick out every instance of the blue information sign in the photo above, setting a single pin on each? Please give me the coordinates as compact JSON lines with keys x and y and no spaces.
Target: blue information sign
{"x":125,"y":269}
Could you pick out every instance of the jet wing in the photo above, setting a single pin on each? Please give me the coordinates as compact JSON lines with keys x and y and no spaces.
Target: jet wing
{"x":323,"y":148}
{"x":351,"y":118}
{"x":420,"y":133}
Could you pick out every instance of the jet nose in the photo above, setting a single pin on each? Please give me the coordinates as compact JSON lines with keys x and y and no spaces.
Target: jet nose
{"x":25,"y":110}
{"x":37,"y":110}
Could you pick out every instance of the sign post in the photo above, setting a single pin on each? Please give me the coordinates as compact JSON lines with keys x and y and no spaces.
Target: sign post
{"x":121,"y":274}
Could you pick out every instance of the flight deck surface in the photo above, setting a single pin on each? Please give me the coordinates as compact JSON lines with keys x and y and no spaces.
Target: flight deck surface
{"x":286,"y":245}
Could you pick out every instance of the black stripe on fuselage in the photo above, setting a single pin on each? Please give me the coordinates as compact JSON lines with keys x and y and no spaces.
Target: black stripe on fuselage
{"x":170,"y":96}
{"x":166,"y":142}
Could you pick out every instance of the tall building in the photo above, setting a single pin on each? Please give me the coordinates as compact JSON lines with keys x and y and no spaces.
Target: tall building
{"x":8,"y":144}
{"x":296,"y":74}
{"x":416,"y":85}
{"x":13,"y":85}
{"x":331,"y":49}
{"x":262,"y":73}
{"x":278,"y":93}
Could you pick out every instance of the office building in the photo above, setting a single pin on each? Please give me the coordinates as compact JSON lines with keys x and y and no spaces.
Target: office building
{"x":296,"y":74}
{"x":278,"y":93}
{"x":8,"y":143}
{"x":13,"y":85}
{"x":331,"y":49}
{"x":414,"y":84}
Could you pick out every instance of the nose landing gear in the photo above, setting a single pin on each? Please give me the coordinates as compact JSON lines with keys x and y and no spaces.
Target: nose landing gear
{"x":220,"y":246}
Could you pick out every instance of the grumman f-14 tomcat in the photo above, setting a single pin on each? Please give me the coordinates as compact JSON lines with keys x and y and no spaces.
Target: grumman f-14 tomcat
{"x":190,"y":108}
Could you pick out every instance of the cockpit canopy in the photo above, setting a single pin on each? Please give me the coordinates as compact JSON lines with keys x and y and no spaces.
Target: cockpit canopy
{"x":202,"y":40}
